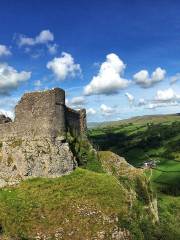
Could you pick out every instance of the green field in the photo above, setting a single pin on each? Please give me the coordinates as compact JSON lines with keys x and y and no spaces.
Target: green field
{"x":146,"y":139}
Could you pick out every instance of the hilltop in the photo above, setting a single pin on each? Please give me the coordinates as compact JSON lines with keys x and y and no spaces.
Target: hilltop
{"x":138,"y":120}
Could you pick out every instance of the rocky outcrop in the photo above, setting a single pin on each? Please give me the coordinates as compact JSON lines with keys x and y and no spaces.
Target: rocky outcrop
{"x":41,"y":157}
{"x":133,"y":179}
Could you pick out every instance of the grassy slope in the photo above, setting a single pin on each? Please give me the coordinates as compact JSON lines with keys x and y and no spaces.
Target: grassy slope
{"x":77,"y":202}
{"x":137,"y":143}
{"x":137,"y":120}
{"x":77,"y":206}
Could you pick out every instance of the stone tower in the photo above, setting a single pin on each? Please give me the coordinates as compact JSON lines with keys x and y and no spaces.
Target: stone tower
{"x":35,"y":143}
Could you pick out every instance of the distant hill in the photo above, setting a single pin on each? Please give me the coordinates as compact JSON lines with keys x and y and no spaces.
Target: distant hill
{"x":153,"y":144}
{"x":138,"y":120}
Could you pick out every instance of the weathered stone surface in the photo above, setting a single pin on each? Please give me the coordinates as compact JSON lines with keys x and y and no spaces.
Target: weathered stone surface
{"x":40,"y":157}
{"x":43,"y":114}
{"x":35,"y":145}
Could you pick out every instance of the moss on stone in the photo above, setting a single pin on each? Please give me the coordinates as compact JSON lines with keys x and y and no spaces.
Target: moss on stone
{"x":16,"y":143}
{"x":9,"y":160}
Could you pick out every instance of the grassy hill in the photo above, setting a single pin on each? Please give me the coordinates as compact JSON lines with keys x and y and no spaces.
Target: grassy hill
{"x":143,"y":140}
{"x":138,"y":120}
{"x":149,"y":139}
{"x":87,"y":204}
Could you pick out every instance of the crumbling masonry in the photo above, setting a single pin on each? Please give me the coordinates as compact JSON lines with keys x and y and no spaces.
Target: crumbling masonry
{"x":34,"y":144}
{"x":43,"y":114}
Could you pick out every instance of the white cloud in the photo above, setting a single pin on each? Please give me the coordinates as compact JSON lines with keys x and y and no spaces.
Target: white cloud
{"x":7,"y":113}
{"x":52,"y":48}
{"x":163,"y":98}
{"x":166,"y":95}
{"x":90,"y":111}
{"x":175,"y":78}
{"x":44,"y":37}
{"x":78,"y":100}
{"x":142,"y":102}
{"x":130,"y":97}
{"x":109,"y":79}
{"x":161,"y":104}
{"x":143,"y":79}
{"x":4,"y":51}
{"x":106,"y":110}
{"x":67,"y":101}
{"x":10,"y":78}
{"x":158,"y":75}
{"x":64,"y":66}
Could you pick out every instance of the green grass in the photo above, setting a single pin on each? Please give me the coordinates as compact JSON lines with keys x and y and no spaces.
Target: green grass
{"x":143,"y":139}
{"x":44,"y":204}
{"x":139,"y":143}
{"x":82,"y":204}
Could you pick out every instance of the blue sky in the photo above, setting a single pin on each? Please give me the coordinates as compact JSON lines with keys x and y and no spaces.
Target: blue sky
{"x":115,"y":58}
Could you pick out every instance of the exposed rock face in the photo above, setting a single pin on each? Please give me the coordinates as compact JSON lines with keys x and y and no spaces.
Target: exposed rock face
{"x":24,"y":158}
{"x":117,"y":166}
{"x":34,"y":144}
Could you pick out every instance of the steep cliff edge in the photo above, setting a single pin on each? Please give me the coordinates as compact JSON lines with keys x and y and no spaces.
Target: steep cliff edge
{"x":134,"y":181}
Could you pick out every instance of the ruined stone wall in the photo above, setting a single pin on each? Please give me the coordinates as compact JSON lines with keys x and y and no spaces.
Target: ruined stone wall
{"x":83,"y":121}
{"x":37,"y":114}
{"x":43,"y":114}
{"x":76,"y":121}
{"x":35,"y":143}
{"x":73,"y":121}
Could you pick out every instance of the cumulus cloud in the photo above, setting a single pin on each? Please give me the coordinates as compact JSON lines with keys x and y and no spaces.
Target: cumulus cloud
{"x":64,"y":66}
{"x":52,"y":48}
{"x":145,"y":80}
{"x":130,"y":97}
{"x":44,"y":37}
{"x":7,"y":105}
{"x":163,"y":98}
{"x":4,"y":51}
{"x":77,"y":101}
{"x":91,"y":111}
{"x":166,"y":95}
{"x":142,"y":102}
{"x":106,"y":110}
{"x":175,"y":78}
{"x":161,"y":104}
{"x":10,"y":78}
{"x":67,"y":101}
{"x":7,"y":113}
{"x":109,"y":78}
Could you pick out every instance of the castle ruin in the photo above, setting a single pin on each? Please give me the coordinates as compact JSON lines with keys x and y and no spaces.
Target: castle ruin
{"x":35,"y":143}
{"x":43,"y":114}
